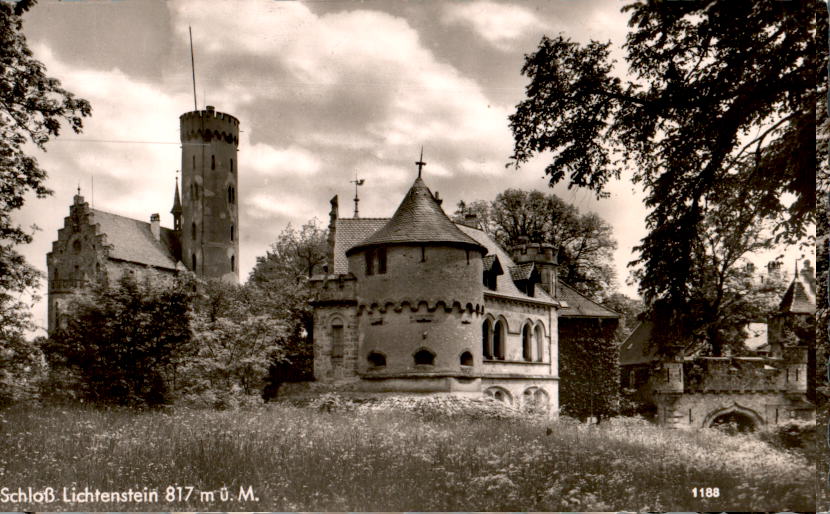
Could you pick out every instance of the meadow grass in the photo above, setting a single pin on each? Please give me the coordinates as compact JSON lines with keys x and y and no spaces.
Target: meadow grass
{"x":304,"y":459}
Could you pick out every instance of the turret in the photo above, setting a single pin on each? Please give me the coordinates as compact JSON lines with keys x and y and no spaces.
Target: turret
{"x":544,"y":257}
{"x":210,"y":213}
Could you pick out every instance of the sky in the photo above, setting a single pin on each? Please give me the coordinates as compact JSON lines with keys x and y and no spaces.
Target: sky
{"x":325,"y":90}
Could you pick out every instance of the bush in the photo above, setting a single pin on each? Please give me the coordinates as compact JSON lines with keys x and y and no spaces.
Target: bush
{"x":794,"y":434}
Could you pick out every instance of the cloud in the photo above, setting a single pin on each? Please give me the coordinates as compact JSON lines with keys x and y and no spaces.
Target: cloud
{"x":501,"y":25}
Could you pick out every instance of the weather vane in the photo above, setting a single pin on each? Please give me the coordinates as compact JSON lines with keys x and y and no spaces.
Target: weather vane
{"x":357,"y":182}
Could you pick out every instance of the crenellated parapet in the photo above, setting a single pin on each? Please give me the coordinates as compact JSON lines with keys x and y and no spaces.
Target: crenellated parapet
{"x":420,"y":305}
{"x":209,"y":125}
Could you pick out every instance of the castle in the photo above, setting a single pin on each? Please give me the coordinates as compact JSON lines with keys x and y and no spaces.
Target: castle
{"x":95,"y":246}
{"x":769,"y":387}
{"x":417,"y":303}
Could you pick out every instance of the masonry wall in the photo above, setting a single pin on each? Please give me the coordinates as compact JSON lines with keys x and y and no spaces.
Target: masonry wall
{"x":698,"y":410}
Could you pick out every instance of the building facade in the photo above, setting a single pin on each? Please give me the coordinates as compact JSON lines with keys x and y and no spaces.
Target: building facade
{"x":419,"y":304}
{"x":97,"y":247}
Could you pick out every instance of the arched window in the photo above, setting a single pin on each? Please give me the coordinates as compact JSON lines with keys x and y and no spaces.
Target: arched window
{"x":540,"y":343}
{"x":466,"y":359}
{"x":231,"y":232}
{"x":424,"y":357}
{"x":194,"y":162}
{"x":337,"y":338}
{"x":193,"y":260}
{"x":231,"y":194}
{"x":233,"y":263}
{"x":231,"y":165}
{"x":376,"y":359}
{"x":213,"y":162}
{"x":527,"y":347}
{"x":499,"y":394}
{"x":487,"y":339}
{"x":193,"y":231}
{"x":498,"y":340}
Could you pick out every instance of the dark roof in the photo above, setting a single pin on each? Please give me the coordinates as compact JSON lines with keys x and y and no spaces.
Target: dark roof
{"x":491,"y":263}
{"x":349,"y":232}
{"x":419,"y":219}
{"x":522,"y":271}
{"x":800,"y":297}
{"x":636,"y":349}
{"x":177,"y":202}
{"x":505,"y":286}
{"x":132,"y":241}
{"x":579,"y":305}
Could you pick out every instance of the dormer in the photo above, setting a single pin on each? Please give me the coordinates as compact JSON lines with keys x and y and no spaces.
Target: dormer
{"x":492,"y":270}
{"x":526,"y":276}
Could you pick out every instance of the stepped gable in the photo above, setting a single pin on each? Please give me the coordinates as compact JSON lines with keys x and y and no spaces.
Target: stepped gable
{"x":579,"y":306}
{"x":349,"y":232}
{"x":419,"y":219}
{"x":132,"y":241}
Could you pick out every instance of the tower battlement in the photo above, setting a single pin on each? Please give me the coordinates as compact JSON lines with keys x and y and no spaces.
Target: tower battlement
{"x":534,"y":252}
{"x":209,"y":124}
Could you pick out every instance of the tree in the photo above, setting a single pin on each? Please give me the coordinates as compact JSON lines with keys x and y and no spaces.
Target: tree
{"x":629,"y":310}
{"x":122,"y":344}
{"x":708,"y":101}
{"x":32,"y":107}
{"x":281,"y":279}
{"x":236,"y":337}
{"x":584,"y":241}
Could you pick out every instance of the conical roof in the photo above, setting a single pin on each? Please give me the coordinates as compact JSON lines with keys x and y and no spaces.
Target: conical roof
{"x":177,"y":202}
{"x":418,"y":220}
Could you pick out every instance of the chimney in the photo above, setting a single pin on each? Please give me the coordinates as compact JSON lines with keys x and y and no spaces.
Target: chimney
{"x":807,"y":270}
{"x":471,"y":219}
{"x":155,"y":226}
{"x":333,"y":214}
{"x":438,"y":198}
{"x":210,"y":108}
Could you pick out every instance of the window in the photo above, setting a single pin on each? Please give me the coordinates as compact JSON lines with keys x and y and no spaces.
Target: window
{"x":466,"y":359}
{"x":193,"y":233}
{"x":527,"y":349}
{"x":370,"y":257}
{"x":76,"y":246}
{"x":337,"y":340}
{"x":487,"y":339}
{"x":231,"y":165}
{"x":194,"y":162}
{"x":193,"y":260}
{"x":490,"y":280}
{"x":424,"y":357}
{"x":540,"y":343}
{"x":499,"y":394}
{"x":233,"y":263}
{"x":213,"y":162}
{"x":231,"y":194}
{"x":381,"y":260}
{"x":498,"y":340}
{"x":231,"y":232}
{"x":423,"y":254}
{"x":194,"y":191}
{"x":376,"y":359}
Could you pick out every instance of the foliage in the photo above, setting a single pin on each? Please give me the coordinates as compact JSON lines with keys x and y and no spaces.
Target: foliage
{"x":585,"y":241}
{"x":589,"y":370}
{"x":629,"y":310}
{"x":301,"y":459}
{"x":123,"y":343}
{"x":280,"y":279}
{"x":699,"y":85}
{"x":234,"y":340}
{"x":32,"y":107}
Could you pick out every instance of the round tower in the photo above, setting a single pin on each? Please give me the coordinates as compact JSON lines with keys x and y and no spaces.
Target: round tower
{"x":210,"y":212}
{"x":419,"y":297}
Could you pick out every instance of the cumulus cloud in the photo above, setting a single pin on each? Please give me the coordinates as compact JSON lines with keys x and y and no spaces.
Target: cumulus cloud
{"x":501,"y":25}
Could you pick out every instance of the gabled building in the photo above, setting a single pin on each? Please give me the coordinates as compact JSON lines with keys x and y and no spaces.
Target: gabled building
{"x":419,"y":304}
{"x":96,"y":247}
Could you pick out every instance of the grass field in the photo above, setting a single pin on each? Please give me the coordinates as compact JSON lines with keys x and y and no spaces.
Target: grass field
{"x":304,"y":459}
